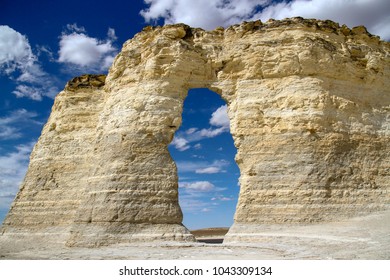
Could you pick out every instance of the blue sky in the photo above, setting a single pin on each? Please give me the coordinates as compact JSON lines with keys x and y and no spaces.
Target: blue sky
{"x":204,"y":153}
{"x":45,"y":43}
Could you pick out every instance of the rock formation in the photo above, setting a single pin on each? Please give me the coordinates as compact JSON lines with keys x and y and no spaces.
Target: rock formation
{"x":309,"y":107}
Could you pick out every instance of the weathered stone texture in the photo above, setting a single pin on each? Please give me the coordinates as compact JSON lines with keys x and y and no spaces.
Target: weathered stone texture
{"x":309,"y":106}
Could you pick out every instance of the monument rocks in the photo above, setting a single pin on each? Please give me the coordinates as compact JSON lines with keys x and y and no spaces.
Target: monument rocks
{"x":309,"y":109}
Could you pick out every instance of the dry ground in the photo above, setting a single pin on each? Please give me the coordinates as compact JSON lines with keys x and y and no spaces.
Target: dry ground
{"x":358,"y":238}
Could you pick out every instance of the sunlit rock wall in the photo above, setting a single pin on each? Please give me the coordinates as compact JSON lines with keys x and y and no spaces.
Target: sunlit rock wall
{"x":309,"y":108}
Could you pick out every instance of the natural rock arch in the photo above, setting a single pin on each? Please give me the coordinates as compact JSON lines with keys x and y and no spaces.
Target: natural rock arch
{"x":308,"y":103}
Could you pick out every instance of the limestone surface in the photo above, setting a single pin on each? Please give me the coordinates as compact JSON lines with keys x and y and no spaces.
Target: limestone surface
{"x":309,"y":109}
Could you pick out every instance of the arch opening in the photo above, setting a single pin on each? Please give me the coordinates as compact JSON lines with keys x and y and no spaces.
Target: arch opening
{"x":204,"y":152}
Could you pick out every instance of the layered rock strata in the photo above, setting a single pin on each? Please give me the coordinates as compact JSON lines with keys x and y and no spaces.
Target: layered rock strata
{"x":309,"y":108}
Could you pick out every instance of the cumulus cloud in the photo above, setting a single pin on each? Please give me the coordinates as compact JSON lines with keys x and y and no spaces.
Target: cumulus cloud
{"x":207,"y":14}
{"x":15,"y":51}
{"x":219,"y":122}
{"x":88,"y":53}
{"x":18,"y":62}
{"x":374,"y":14}
{"x":220,"y":117}
{"x":82,"y":50}
{"x":210,"y":14}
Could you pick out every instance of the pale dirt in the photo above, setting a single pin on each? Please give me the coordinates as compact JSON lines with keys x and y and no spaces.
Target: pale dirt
{"x":358,"y":238}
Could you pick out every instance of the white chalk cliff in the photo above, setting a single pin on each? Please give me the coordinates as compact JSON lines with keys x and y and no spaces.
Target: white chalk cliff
{"x":309,"y":109}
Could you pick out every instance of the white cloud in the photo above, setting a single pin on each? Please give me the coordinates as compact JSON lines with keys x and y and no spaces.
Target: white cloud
{"x":80,"y":50}
{"x":374,"y":14}
{"x":180,"y":143}
{"x":195,"y":196}
{"x":18,"y":116}
{"x":28,"y":91}
{"x":11,"y":126}
{"x":222,"y":198}
{"x":198,"y":146}
{"x":209,"y":170}
{"x":18,"y":62}
{"x":201,"y":186}
{"x":191,"y":204}
{"x":220,"y":117}
{"x":13,"y":167}
{"x":202,"y":167}
{"x":220,"y":124}
{"x":209,"y":14}
{"x":198,"y":156}
{"x":111,"y":34}
{"x":15,"y":51}
{"x":9,"y":132}
{"x":190,"y":166}
{"x":209,"y":133}
{"x":191,"y":130}
{"x":45,"y":50}
{"x":75,"y":28}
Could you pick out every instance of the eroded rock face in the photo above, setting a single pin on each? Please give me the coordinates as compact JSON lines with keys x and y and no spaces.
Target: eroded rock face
{"x":309,"y":107}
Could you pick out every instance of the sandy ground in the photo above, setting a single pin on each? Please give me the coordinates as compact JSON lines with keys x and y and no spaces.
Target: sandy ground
{"x":358,"y":238}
